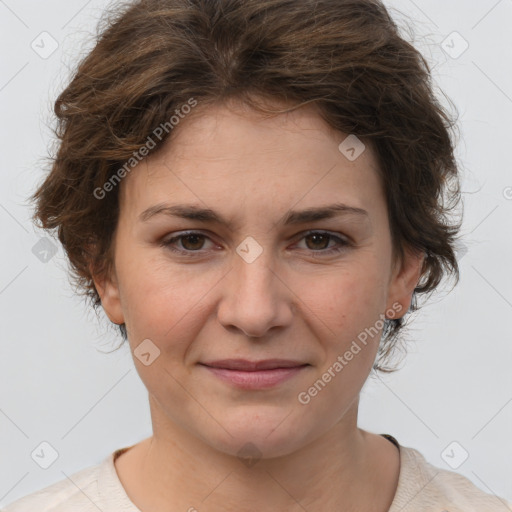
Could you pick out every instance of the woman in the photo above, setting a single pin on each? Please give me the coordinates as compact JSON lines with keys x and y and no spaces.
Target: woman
{"x":256,"y":192}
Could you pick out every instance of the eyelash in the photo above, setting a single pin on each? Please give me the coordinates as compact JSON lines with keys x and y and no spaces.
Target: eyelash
{"x":343,"y":244}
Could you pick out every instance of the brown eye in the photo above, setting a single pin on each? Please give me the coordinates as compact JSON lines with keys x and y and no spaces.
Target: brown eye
{"x":318,"y":240}
{"x":192,"y":242}
{"x":189,"y":243}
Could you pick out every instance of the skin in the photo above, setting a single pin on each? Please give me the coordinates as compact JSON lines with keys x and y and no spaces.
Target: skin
{"x":291,"y":302}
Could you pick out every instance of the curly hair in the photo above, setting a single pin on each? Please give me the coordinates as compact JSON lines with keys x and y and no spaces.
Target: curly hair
{"x":345,"y":57}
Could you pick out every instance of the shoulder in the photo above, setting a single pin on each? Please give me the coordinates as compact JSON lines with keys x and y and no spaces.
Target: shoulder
{"x":89,"y":490}
{"x":60,"y":496}
{"x":422,"y":486}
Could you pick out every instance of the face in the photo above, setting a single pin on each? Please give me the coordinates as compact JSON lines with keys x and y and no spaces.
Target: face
{"x":256,"y":277}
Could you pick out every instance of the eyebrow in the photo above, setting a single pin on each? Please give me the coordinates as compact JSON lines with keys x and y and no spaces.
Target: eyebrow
{"x":191,"y":212}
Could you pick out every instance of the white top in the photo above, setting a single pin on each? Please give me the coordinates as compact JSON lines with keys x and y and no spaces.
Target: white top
{"x":421,"y":487}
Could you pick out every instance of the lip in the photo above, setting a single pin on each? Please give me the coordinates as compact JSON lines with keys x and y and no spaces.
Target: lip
{"x":255,"y":374}
{"x":251,"y":366}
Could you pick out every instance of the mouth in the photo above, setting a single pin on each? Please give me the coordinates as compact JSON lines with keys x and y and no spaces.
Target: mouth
{"x":254,"y":374}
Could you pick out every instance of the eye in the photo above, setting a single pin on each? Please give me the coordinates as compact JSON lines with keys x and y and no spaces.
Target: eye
{"x":317,"y":241}
{"x":192,"y":243}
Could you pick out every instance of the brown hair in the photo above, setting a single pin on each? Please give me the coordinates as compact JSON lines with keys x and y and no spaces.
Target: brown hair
{"x":345,"y":57}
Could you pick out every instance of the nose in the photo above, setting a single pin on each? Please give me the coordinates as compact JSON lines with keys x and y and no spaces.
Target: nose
{"x":255,"y":297}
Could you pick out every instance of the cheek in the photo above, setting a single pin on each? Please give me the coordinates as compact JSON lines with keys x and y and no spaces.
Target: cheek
{"x":348,"y":308}
{"x":347,"y":300}
{"x":161,"y":303}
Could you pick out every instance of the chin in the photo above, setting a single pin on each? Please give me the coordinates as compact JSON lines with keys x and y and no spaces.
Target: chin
{"x":259,"y":433}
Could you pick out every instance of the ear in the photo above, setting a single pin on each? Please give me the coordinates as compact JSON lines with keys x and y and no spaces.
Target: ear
{"x":108,"y":290}
{"x":404,"y":279}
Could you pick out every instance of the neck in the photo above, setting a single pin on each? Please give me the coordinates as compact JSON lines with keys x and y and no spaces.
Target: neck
{"x":342,"y":469}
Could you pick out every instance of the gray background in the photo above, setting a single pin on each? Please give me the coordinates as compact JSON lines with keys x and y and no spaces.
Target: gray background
{"x":61,"y":387}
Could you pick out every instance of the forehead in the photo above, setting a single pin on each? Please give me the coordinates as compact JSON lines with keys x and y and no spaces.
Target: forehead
{"x":230,"y":154}
{"x":235,"y":129}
